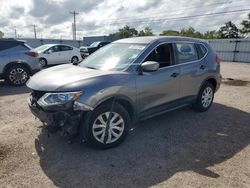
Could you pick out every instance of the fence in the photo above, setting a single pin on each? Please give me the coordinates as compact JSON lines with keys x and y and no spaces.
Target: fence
{"x":235,"y":50}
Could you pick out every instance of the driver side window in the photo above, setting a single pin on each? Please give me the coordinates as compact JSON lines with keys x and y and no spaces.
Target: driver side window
{"x":163,"y":54}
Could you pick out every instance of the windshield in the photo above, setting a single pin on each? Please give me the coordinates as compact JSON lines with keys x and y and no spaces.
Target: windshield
{"x":115,"y":56}
{"x":42,"y":48}
{"x":94,"y":44}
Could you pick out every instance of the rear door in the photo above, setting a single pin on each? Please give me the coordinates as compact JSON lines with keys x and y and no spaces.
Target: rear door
{"x":192,"y":67}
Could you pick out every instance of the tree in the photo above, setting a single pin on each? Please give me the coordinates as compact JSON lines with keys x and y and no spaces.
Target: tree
{"x":210,"y":35}
{"x":190,"y":32}
{"x":229,"y":30}
{"x":246,"y":26}
{"x":170,"y":33}
{"x":146,"y":32}
{"x":126,"y":32}
{"x":1,"y":34}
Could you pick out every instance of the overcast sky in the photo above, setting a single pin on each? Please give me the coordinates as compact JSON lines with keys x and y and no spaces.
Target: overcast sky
{"x":99,"y":17}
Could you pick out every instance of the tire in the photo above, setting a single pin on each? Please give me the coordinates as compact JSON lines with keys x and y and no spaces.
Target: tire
{"x":205,"y":97}
{"x":74,"y":60}
{"x":43,"y":62}
{"x":17,"y":75}
{"x":96,"y":133}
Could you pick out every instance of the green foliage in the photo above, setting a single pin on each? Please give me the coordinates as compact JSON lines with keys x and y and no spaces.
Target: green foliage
{"x":146,"y":32}
{"x":126,"y":32}
{"x":245,"y":26}
{"x":170,"y":33}
{"x":210,"y":35}
{"x":229,"y":30}
{"x":1,"y":34}
{"x":190,"y":32}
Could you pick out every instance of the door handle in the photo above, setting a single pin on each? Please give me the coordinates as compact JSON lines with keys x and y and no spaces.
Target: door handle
{"x":202,"y":67}
{"x":175,"y":74}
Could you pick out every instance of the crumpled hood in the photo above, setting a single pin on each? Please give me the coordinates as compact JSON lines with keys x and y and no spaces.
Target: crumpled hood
{"x":64,"y":77}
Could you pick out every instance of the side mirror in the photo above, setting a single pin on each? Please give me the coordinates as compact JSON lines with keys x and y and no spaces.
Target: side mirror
{"x":149,"y":66}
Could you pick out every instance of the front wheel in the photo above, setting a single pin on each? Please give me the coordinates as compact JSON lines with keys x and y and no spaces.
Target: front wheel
{"x":205,"y":97}
{"x":107,"y":127}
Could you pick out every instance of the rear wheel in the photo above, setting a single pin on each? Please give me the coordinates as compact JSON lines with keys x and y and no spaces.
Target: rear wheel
{"x":107,"y":128}
{"x":205,"y":97}
{"x":17,"y":75}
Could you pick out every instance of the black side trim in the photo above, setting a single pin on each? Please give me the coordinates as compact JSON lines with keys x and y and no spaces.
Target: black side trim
{"x":169,"y":106}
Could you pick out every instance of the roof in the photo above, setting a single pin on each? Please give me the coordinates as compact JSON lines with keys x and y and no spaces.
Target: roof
{"x":151,"y":39}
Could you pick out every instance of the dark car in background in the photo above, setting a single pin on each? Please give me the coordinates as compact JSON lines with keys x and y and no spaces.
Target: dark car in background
{"x":17,"y":61}
{"x":87,"y":50}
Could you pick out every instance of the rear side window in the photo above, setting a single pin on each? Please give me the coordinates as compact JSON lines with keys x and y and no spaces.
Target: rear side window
{"x":202,"y":51}
{"x":66,"y":48}
{"x":186,"y":52}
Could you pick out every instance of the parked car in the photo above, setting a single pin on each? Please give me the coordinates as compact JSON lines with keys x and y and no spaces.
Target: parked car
{"x":17,"y":61}
{"x":125,"y":81}
{"x":87,"y":50}
{"x":51,"y":54}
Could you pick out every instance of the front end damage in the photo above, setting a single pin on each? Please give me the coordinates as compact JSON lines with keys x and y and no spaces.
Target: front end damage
{"x":64,"y":117}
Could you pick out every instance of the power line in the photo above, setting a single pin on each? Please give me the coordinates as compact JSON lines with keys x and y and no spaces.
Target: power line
{"x":181,"y":17}
{"x":177,"y":10}
{"x":74,"y":25}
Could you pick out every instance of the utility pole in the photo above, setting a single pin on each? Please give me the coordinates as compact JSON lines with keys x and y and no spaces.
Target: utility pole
{"x":15,"y":34}
{"x":34,"y":30}
{"x":74,"y":26}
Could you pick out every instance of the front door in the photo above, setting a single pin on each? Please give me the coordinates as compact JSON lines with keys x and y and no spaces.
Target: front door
{"x":156,"y":91}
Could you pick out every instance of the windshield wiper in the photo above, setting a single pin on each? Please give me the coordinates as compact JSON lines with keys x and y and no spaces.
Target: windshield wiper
{"x":91,"y":67}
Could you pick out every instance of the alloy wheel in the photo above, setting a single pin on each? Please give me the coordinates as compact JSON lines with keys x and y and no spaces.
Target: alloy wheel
{"x":207,"y":97}
{"x":18,"y":76}
{"x":108,"y":127}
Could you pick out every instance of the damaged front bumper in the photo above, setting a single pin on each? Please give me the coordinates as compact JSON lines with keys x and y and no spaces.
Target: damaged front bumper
{"x":67,"y":119}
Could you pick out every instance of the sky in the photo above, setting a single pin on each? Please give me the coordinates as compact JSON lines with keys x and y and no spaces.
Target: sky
{"x":102,"y":17}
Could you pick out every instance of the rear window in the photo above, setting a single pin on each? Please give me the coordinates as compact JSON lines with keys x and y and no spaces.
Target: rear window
{"x":4,"y":44}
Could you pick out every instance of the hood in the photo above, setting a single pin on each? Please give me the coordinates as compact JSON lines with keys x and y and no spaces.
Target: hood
{"x":65,"y":78}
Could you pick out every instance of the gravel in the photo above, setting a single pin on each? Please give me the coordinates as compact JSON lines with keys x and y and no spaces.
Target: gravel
{"x":182,"y":148}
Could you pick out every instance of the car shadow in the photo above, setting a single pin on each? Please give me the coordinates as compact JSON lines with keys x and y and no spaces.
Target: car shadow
{"x":6,"y":89}
{"x":182,"y":140}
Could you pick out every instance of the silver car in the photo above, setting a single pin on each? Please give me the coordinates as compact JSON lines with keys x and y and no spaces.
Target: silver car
{"x":126,"y":81}
{"x":17,"y":61}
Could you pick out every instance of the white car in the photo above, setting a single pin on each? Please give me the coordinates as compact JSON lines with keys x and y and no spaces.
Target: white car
{"x":51,"y":54}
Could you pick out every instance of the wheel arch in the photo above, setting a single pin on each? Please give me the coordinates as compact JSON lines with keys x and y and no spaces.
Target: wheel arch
{"x":124,"y":101}
{"x":211,"y":80}
{"x":16,"y":63}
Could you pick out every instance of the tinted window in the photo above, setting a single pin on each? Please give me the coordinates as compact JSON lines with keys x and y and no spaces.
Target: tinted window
{"x":186,"y":52}
{"x":5,"y":44}
{"x":162,"y":54}
{"x":55,"y":49}
{"x":66,"y":48}
{"x":201,"y":50}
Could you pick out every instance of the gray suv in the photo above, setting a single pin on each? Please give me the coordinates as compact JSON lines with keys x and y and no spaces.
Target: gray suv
{"x":128,"y":80}
{"x":17,"y":61}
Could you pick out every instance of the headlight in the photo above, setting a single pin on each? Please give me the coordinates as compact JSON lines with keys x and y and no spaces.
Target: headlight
{"x":58,"y":98}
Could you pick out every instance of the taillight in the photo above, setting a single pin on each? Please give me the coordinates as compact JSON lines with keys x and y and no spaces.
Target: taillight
{"x":31,"y":53}
{"x":217,"y":59}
